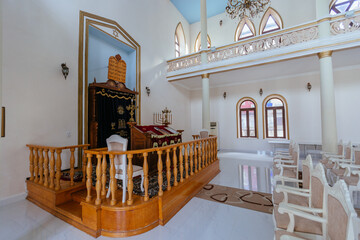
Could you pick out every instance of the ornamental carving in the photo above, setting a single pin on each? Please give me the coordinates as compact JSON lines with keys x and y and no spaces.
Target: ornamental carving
{"x":345,"y":25}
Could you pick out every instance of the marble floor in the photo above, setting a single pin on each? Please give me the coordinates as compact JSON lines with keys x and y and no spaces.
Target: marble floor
{"x":199,"y":219}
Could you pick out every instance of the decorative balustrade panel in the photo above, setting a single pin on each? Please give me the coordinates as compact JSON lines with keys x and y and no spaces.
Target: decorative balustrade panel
{"x":183,"y":63}
{"x":346,"y":25}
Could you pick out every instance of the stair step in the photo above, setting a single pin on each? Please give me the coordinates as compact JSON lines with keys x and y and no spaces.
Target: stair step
{"x":71,"y":209}
{"x":79,"y":196}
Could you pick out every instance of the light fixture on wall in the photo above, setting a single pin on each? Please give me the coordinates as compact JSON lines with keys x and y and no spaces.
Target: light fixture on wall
{"x":241,"y":8}
{"x":224,"y":95}
{"x":147,"y":91}
{"x":261,"y":92}
{"x":221,"y":22}
{"x":64,"y":70}
{"x":308,"y":85}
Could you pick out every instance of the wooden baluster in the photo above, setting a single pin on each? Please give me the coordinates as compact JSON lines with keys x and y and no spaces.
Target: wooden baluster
{"x":31,"y":167}
{"x":52,"y":168}
{"x":72,"y":166}
{"x":46,"y":167}
{"x":209,"y":157}
{"x":103,"y":176}
{"x":84,"y":164}
{"x":112,"y":180}
{"x":213,"y":149}
{"x":58,"y":169}
{"x":88,"y":178}
{"x":168,"y":171}
{"x":216,"y":149}
{"x":98,"y":180}
{"x":204,"y":152}
{"x":36,"y":165}
{"x":186,"y":162}
{"x":207,"y":152}
{"x":210,"y":151}
{"x":41,"y":166}
{"x":191,"y":159}
{"x":181,"y":164}
{"x":146,"y":177}
{"x":130,"y":185}
{"x":175,"y":166}
{"x":199,"y":152}
{"x":195,"y":157}
{"x":160,"y":176}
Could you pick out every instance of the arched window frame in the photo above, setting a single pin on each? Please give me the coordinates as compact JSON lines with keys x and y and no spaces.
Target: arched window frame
{"x":285,"y":116}
{"x":197,"y":45}
{"x":240,"y":28}
{"x":238,"y":118}
{"x":179,"y":40}
{"x":276,"y":16}
{"x":333,"y":6}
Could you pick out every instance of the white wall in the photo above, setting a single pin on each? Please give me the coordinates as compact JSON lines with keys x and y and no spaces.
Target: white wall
{"x":304,"y":108}
{"x":38,"y":35}
{"x":292,"y":12}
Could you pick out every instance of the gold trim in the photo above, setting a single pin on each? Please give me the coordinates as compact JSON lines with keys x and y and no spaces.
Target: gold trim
{"x":113,"y":96}
{"x":238,"y":104}
{"x":332,"y":2}
{"x":240,"y":27}
{"x":286,"y":112}
{"x":183,"y":32}
{"x":324,"y":54}
{"x":197,"y":39}
{"x":205,"y":75}
{"x":279,"y":55}
{"x":2,"y":121}
{"x":275,"y":14}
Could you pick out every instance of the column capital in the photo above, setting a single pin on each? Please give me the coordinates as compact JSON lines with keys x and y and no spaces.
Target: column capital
{"x":324,"y":54}
{"x":205,"y":75}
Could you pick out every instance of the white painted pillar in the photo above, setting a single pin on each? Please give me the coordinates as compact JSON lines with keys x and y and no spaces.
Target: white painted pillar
{"x":203,"y":22}
{"x":327,"y":95}
{"x":1,"y":65}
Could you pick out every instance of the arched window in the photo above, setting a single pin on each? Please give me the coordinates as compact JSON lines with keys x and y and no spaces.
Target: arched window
{"x":341,"y":6}
{"x":247,"y":118}
{"x":197,"y":46}
{"x":180,"y":44}
{"x":271,"y":21}
{"x":275,"y":117}
{"x":245,"y":29}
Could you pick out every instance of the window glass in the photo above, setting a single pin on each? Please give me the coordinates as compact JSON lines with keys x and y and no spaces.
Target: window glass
{"x":271,"y":25}
{"x":341,"y":6}
{"x":252,"y":132}
{"x":247,"y":104}
{"x":270,"y":123}
{"x":274,"y":103}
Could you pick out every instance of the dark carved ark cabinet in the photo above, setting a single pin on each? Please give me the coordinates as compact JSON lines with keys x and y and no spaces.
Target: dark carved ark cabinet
{"x":109,"y":112}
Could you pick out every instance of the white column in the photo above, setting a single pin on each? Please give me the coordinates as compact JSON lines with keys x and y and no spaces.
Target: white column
{"x":327,"y":95}
{"x":205,"y":102}
{"x":203,"y":21}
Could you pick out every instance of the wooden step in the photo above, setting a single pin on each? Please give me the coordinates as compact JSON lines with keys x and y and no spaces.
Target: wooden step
{"x":71,"y":209}
{"x":79,"y":196}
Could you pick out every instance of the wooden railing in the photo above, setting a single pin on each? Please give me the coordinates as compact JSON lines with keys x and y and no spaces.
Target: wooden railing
{"x":46,"y":170}
{"x":189,"y":156}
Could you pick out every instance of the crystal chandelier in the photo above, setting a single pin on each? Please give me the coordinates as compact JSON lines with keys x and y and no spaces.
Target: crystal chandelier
{"x":242,"y":8}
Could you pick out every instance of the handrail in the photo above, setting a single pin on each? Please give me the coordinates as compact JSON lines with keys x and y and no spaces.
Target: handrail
{"x":192,"y":156}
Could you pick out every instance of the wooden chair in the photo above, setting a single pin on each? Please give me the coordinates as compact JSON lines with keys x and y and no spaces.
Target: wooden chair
{"x":284,"y":169}
{"x":204,"y":133}
{"x":337,"y":171}
{"x":279,"y":154}
{"x":352,"y":175}
{"x":117,"y":143}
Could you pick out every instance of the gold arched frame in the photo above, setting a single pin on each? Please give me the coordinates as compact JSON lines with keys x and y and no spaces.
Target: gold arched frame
{"x":85,"y":21}
{"x":286,"y":113}
{"x":198,"y":39}
{"x":277,"y":17}
{"x":238,"y":104}
{"x":332,"y":2}
{"x":240,"y":27}
{"x":183,"y":32}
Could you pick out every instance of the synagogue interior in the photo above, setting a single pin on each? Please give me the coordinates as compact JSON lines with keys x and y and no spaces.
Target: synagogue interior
{"x":180,"y":119}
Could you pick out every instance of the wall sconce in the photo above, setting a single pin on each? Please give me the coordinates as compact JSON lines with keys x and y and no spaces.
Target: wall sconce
{"x":147,"y":91}
{"x":65,"y":70}
{"x":261,"y":92}
{"x":309,"y":86}
{"x":221,"y":22}
{"x":224,"y":95}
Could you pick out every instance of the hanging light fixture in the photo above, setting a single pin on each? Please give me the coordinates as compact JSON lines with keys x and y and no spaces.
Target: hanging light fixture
{"x":242,"y":8}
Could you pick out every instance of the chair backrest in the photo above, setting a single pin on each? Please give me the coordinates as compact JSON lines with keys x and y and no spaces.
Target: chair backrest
{"x":307,"y":168}
{"x":118,"y":143}
{"x":318,"y":183}
{"x":296,"y":154}
{"x":357,"y":156}
{"x":340,"y":148}
{"x":340,"y":213}
{"x":204,"y":133}
{"x":349,"y":151}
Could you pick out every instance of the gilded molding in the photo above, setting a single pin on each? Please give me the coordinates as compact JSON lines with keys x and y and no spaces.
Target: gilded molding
{"x":205,"y":75}
{"x":324,"y":54}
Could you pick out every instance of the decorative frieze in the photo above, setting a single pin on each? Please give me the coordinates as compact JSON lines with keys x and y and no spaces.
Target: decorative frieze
{"x":346,"y":25}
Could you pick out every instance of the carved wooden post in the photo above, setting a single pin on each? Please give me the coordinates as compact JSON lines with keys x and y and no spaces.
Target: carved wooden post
{"x":216,"y":149}
{"x":103,"y":176}
{"x":130,"y":179}
{"x":186,"y":162}
{"x":46,"y":167}
{"x":203,"y":152}
{"x":209,"y":156}
{"x":72,"y":165}
{"x":41,"y":166}
{"x":98,"y":180}
{"x":181,"y":164}
{"x":31,"y":167}
{"x":168,"y":172}
{"x":160,"y":176}
{"x":199,"y":152}
{"x":84,"y":164}
{"x":36,"y":165}
{"x":175,"y":166}
{"x":146,"y":177}
{"x":195,"y":157}
{"x":58,"y":169}
{"x":88,"y":178}
{"x":191,"y":159}
{"x":112,"y":180}
{"x":52,"y":168}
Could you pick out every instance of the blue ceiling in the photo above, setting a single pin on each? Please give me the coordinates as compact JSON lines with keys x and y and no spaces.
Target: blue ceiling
{"x":190,"y":9}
